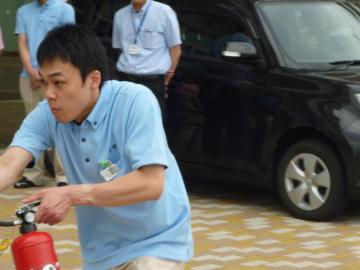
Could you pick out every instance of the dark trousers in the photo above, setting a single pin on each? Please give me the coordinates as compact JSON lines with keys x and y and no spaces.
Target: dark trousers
{"x":154,"y":82}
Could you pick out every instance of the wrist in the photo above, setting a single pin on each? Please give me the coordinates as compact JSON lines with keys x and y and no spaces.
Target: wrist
{"x":170,"y":74}
{"x":80,"y":194}
{"x":33,"y":73}
{"x":171,"y":71}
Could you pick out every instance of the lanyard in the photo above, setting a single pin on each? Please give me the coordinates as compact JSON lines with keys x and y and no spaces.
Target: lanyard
{"x":137,"y":30}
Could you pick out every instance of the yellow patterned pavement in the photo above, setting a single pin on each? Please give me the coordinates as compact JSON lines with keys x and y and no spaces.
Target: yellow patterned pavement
{"x":233,"y":229}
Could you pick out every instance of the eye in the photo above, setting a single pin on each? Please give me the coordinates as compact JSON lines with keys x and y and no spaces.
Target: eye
{"x":59,"y":83}
{"x":44,"y":83}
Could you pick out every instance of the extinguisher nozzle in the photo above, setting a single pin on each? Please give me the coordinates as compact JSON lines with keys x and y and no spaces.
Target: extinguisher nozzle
{"x":7,"y":223}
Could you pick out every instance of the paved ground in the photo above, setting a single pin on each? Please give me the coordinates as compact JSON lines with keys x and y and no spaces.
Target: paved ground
{"x":235,"y":229}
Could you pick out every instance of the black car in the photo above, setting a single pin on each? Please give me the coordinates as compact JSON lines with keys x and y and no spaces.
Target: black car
{"x":267,"y":91}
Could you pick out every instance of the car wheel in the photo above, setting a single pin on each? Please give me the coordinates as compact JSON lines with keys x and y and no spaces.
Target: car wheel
{"x":311,"y":181}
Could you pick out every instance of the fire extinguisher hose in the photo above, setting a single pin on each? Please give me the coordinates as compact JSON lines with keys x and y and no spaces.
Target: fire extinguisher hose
{"x":7,"y":223}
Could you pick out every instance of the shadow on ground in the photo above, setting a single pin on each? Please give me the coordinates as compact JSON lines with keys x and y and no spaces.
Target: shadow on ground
{"x":248,"y":195}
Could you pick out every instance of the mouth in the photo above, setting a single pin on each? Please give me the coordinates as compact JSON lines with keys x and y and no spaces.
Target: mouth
{"x":55,"y":110}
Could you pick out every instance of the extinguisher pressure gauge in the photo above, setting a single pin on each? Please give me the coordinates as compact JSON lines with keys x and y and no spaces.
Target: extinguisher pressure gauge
{"x":29,"y":217}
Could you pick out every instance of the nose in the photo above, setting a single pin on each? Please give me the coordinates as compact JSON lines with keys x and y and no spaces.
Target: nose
{"x":49,"y":92}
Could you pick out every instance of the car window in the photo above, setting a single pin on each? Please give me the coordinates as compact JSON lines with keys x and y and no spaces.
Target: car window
{"x":207,"y":34}
{"x":313,"y":34}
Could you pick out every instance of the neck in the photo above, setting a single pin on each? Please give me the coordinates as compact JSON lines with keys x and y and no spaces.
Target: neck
{"x":85,"y":113}
{"x":138,"y":5}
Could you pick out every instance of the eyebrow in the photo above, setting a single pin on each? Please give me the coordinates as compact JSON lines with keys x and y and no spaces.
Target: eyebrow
{"x":53,"y":74}
{"x":56,"y":74}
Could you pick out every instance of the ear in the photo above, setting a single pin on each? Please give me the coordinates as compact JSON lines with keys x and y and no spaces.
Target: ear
{"x":95,"y":79}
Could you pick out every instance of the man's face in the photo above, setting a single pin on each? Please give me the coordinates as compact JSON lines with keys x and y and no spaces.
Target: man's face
{"x":69,"y":97}
{"x":42,"y":2}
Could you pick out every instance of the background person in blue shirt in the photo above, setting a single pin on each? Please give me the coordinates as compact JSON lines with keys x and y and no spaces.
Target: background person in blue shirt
{"x":148,"y":34}
{"x":33,"y":21}
{"x":141,"y":218}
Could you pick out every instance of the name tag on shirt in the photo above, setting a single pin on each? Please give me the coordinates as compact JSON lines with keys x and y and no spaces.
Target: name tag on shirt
{"x":134,"y":49}
{"x":108,"y":170}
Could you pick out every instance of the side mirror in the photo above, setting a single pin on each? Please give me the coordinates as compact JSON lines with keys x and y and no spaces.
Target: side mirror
{"x":236,"y":50}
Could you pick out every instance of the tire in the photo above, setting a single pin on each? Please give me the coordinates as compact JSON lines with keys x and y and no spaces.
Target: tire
{"x":311,"y":181}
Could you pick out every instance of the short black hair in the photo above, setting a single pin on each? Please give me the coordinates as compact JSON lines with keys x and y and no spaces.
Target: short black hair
{"x":78,"y":45}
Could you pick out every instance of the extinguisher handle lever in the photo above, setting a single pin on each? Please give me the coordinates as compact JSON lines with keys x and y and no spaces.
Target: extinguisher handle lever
{"x":33,"y":204}
{"x":27,"y":208}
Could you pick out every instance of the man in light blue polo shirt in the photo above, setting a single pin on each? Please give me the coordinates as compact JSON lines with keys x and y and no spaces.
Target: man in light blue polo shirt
{"x":33,"y":21}
{"x":135,"y":215}
{"x":148,"y":34}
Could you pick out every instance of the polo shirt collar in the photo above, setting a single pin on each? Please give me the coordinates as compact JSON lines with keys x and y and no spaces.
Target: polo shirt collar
{"x":98,"y":113}
{"x":143,"y":8}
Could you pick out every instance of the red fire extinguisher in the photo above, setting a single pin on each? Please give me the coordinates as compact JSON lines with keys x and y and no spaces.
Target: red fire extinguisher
{"x":32,"y":250}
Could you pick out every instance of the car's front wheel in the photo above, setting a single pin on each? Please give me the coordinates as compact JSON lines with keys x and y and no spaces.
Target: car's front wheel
{"x":311,"y":181}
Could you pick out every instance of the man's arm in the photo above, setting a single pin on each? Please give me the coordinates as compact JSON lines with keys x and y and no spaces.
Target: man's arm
{"x":173,"y":40}
{"x":1,"y":43}
{"x":175,"y":53}
{"x":144,"y":184}
{"x":12,"y":163}
{"x":116,"y":34}
{"x":26,"y":61}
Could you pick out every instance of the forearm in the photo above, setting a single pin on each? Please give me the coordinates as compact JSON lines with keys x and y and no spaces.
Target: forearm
{"x":142,"y":185}
{"x":175,"y":53}
{"x":12,"y":163}
{"x":25,"y":56}
{"x":26,"y":59}
{"x":7,"y":176}
{"x":130,"y":189}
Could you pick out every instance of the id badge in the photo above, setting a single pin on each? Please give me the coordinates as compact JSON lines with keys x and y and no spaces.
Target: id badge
{"x":109,"y":170}
{"x":134,"y":49}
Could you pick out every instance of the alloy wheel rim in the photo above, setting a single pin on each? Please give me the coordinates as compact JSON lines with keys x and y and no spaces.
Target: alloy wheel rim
{"x":307,"y":181}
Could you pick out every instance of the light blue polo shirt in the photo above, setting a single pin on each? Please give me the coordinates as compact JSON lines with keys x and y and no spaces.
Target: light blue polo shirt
{"x":159,"y":32}
{"x":124,"y":127}
{"x":36,"y":20}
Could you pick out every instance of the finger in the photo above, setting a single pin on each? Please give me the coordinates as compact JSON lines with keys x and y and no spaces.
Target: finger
{"x":43,"y":219}
{"x":47,"y":219}
{"x":50,"y":218}
{"x":34,"y":197}
{"x":40,"y":216}
{"x":36,"y":83}
{"x":43,"y":215}
{"x":55,"y":220}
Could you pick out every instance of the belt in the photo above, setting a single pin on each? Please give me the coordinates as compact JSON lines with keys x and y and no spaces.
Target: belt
{"x":141,"y":77}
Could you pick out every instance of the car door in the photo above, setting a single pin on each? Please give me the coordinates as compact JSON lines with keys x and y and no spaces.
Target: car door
{"x":218,"y":111}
